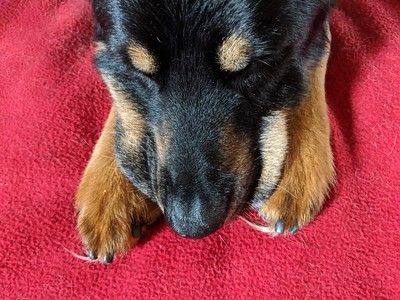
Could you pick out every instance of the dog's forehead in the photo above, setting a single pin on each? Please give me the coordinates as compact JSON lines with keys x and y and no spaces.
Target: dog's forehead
{"x":155,"y":31}
{"x":168,"y":22}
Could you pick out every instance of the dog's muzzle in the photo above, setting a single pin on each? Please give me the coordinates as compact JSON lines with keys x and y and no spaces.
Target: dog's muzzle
{"x":196,"y":217}
{"x":194,"y":206}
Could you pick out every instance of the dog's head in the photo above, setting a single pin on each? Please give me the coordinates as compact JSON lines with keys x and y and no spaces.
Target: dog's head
{"x":201,"y":89}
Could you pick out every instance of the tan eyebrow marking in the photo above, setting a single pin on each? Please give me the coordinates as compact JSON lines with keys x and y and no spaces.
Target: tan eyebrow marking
{"x":142,"y":59}
{"x":234,"y":53}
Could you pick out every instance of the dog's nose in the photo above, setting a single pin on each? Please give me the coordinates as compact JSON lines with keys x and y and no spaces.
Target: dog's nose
{"x":194,"y":218}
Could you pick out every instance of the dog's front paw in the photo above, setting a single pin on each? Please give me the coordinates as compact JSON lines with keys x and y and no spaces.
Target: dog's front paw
{"x":286,"y":213}
{"x":301,"y":192}
{"x":105,"y":234}
{"x":110,"y":223}
{"x":308,"y":171}
{"x":108,"y":230}
{"x":111,"y":210}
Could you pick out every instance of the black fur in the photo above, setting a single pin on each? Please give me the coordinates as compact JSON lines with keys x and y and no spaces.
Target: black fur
{"x":198,"y":99}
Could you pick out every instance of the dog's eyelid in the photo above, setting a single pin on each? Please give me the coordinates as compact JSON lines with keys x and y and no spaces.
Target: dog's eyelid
{"x":142,"y":59}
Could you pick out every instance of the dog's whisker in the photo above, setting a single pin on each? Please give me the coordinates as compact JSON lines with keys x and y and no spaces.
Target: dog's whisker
{"x":262,"y":228}
{"x":286,"y":190}
{"x":264,"y":62}
{"x":80,"y":257}
{"x":108,"y":156}
{"x":276,"y":185}
{"x":222,"y":239}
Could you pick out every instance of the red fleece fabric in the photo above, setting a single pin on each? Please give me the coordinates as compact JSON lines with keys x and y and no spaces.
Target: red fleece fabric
{"x":52,"y":109}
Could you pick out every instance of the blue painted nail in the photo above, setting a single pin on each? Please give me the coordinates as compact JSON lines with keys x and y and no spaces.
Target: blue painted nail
{"x":280,"y":227}
{"x":92,"y":256}
{"x":108,"y":259}
{"x":294,"y":229}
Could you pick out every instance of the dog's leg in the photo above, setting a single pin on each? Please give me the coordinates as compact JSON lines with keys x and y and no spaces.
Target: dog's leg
{"x":110,"y":209}
{"x":308,"y":170}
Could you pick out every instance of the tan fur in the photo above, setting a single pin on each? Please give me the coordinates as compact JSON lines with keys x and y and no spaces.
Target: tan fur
{"x":142,"y":59}
{"x":99,"y":47}
{"x":162,"y":138}
{"x":234,"y":53}
{"x":128,"y":114}
{"x":308,"y":171}
{"x":274,"y":146}
{"x":238,"y":160}
{"x":237,"y":154}
{"x":107,"y":202}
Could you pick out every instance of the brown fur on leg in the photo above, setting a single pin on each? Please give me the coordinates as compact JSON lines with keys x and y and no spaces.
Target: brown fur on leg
{"x":107,"y":202}
{"x":308,"y":170}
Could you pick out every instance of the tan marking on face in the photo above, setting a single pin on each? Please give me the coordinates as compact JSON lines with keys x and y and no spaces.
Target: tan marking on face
{"x":234,"y":53}
{"x":237,"y":151}
{"x":162,"y":136}
{"x":128,"y":114}
{"x":142,"y":59}
{"x":99,"y":47}
{"x":162,"y":139}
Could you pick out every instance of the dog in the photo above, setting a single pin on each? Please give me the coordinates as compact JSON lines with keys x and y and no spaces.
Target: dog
{"x":218,"y":105}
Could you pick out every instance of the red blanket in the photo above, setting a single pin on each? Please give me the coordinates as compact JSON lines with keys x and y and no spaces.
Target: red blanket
{"x":52,"y":108}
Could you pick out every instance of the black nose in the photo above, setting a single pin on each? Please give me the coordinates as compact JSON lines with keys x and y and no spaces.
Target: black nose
{"x":196,"y":192}
{"x":196,"y":217}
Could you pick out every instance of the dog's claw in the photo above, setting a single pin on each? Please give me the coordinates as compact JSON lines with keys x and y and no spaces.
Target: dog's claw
{"x":137,"y":231}
{"x":92,"y":256}
{"x":280,"y":227}
{"x":108,"y":259}
{"x":294,"y":229}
